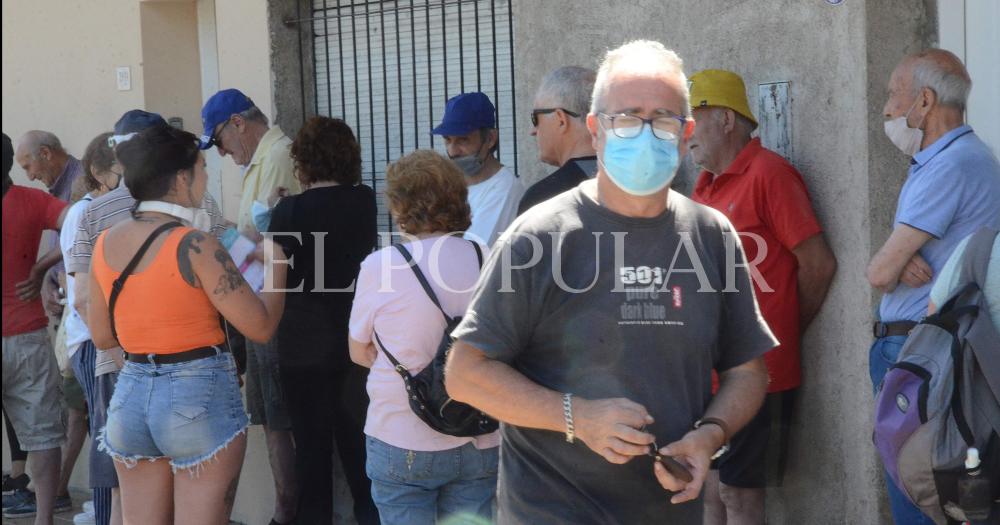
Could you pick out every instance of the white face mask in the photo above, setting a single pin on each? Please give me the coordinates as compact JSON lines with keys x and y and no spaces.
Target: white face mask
{"x":197,"y":218}
{"x":905,"y":138}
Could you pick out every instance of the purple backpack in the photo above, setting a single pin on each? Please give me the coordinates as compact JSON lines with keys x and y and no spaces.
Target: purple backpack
{"x":942,"y":398}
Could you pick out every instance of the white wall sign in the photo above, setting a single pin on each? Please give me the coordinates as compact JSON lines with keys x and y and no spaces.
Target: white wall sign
{"x":123,"y":75}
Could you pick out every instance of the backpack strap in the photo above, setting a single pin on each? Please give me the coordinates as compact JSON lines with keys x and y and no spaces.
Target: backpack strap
{"x":976,"y":258}
{"x":116,"y":286}
{"x":975,"y":262}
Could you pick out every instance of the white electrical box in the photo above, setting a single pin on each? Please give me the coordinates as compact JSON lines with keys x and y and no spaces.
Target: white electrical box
{"x":123,"y":75}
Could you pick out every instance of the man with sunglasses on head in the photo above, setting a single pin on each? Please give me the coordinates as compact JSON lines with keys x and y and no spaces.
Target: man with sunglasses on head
{"x":472,"y":139}
{"x":239,"y":129}
{"x":599,"y":317}
{"x":558,"y":123}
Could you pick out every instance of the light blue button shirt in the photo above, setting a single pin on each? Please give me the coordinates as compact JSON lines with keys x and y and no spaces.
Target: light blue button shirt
{"x":952,"y":189}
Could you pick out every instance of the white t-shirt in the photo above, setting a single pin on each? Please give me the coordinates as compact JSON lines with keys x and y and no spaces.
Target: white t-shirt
{"x":76,"y":330}
{"x":494,"y":205}
{"x":388,"y":298}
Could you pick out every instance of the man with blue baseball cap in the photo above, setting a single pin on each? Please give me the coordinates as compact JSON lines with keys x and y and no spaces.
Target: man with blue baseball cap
{"x":238,"y":128}
{"x":471,"y":138}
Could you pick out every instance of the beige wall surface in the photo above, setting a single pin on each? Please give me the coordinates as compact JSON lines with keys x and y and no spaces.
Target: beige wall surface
{"x":59,"y":61}
{"x":170,"y":60}
{"x":244,"y":63}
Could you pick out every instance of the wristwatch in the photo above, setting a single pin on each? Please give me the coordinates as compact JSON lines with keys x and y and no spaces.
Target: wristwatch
{"x":725,"y":433}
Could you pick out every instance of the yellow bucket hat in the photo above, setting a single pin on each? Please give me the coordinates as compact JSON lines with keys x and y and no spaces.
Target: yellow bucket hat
{"x":717,"y":87}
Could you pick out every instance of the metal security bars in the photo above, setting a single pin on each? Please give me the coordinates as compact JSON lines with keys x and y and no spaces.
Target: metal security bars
{"x":387,"y":67}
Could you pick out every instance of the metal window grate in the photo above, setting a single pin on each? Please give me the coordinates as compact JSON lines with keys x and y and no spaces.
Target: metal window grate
{"x":387,"y":67}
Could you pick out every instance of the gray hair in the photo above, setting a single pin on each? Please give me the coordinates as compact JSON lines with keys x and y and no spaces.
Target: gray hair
{"x":569,"y":87}
{"x":34,"y":140}
{"x":639,"y":55}
{"x":943,"y":73}
{"x":254,"y":114}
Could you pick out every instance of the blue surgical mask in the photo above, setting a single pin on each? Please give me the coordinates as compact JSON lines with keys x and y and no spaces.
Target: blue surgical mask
{"x":642,"y":165}
{"x":261,"y":216}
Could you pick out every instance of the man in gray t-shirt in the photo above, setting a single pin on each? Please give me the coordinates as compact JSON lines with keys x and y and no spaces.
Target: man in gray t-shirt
{"x":601,"y":315}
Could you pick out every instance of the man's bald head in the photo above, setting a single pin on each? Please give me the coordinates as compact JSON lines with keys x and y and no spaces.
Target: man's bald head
{"x":41,"y":155}
{"x":943,"y":73}
{"x":33,"y":141}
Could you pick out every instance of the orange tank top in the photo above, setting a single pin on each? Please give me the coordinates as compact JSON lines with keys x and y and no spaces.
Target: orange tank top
{"x":157,"y":311}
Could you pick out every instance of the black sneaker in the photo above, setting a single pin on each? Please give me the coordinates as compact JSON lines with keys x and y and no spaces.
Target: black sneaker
{"x":18,"y":497}
{"x":63,"y":503}
{"x":11,"y":484}
{"x":25,"y":509}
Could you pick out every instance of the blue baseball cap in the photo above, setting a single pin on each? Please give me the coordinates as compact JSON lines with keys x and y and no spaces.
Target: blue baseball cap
{"x":132,"y":122}
{"x":466,"y":113}
{"x":218,"y":109}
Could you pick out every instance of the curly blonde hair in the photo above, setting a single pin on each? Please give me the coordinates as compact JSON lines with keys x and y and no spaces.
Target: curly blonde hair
{"x":427,"y":193}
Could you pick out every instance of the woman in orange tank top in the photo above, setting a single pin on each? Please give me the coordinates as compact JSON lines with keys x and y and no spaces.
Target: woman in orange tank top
{"x":176,"y":423}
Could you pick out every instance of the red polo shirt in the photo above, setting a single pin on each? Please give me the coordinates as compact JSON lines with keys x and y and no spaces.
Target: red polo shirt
{"x":762,"y":194}
{"x":26,"y":213}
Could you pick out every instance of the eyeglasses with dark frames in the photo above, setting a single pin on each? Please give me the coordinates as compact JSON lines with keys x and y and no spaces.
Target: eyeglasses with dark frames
{"x":546,"y":111}
{"x":665,"y":127}
{"x":214,"y":141}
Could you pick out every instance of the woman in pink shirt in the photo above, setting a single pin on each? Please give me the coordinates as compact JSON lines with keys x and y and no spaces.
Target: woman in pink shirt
{"x":418,"y":474}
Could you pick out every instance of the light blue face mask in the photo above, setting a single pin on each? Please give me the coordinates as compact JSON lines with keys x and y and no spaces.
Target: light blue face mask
{"x":642,"y":165}
{"x":261,"y":216}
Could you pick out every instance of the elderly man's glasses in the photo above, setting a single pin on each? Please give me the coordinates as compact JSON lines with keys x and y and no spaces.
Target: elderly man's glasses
{"x":546,"y":111}
{"x":666,"y":127}
{"x":214,"y":141}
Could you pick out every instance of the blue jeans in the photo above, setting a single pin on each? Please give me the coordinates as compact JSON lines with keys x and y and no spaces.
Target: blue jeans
{"x":883,"y":354}
{"x":411,"y":487}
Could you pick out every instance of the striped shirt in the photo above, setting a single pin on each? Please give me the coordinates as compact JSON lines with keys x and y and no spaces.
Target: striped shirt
{"x":103,"y":213}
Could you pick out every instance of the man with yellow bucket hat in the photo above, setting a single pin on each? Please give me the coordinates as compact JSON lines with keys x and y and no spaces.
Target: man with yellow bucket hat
{"x":766,"y":200}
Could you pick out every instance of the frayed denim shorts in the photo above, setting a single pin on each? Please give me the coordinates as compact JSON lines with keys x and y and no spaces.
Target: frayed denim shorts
{"x":186,"y":412}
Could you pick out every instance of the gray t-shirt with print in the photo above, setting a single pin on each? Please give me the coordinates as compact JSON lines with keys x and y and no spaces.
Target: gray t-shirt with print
{"x":648,"y":324}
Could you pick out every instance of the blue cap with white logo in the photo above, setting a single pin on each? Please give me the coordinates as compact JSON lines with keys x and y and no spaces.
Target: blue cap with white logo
{"x":466,"y":113}
{"x":132,"y":122}
{"x":218,"y":109}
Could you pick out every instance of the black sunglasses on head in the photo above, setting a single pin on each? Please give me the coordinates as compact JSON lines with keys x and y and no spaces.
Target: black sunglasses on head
{"x":545,"y":111}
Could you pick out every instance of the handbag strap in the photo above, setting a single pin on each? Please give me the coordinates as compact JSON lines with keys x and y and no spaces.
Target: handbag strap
{"x":423,"y":280}
{"x":392,"y":359}
{"x":116,"y":286}
{"x":402,"y":370}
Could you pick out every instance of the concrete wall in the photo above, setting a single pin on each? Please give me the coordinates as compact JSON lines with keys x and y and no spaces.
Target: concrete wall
{"x":170,"y":61}
{"x":837,"y":59}
{"x":59,"y":61}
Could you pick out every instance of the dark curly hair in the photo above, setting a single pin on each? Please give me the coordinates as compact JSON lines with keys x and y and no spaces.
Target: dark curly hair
{"x":427,"y":193}
{"x":152,"y":159}
{"x":98,"y":158}
{"x":325,"y":150}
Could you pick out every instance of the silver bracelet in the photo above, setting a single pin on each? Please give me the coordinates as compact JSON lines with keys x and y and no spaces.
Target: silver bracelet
{"x":568,"y":416}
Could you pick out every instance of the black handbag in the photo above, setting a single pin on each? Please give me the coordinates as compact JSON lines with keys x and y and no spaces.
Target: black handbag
{"x":425,"y":391}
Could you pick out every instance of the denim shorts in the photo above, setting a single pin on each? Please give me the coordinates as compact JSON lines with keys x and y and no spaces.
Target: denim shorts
{"x":186,"y":412}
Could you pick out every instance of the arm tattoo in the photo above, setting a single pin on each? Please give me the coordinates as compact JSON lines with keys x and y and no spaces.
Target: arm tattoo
{"x":231,"y":279}
{"x":190,"y":243}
